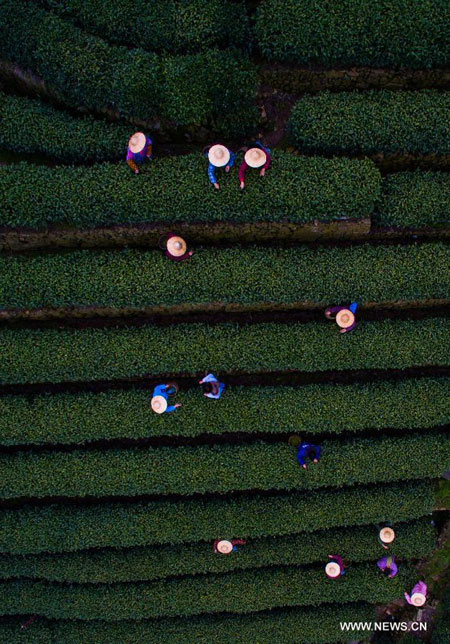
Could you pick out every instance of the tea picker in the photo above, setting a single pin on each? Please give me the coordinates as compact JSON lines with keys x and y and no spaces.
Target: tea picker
{"x":334,"y":568}
{"x":345,"y":316}
{"x":256,"y":157}
{"x":307,"y":451}
{"x":139,"y":149}
{"x":418,"y":595}
{"x":218,"y":156}
{"x":160,"y":398}
{"x":387,"y":565}
{"x":175,"y":247}
{"x":225,"y":547}
{"x":212,"y":388}
{"x":386,"y":535}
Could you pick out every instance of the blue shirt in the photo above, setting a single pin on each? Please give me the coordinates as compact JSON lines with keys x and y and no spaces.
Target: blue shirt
{"x":304,"y":450}
{"x":353,"y":306}
{"x":160,"y":390}
{"x":211,"y":167}
{"x":211,"y":378}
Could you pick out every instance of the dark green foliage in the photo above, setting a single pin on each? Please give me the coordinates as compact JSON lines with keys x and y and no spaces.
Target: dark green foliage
{"x":52,"y":355}
{"x":414,"y":199}
{"x":413,"y":540}
{"x":372,"y":122}
{"x":174,"y":26}
{"x":85,"y":70}
{"x":67,"y":528}
{"x":177,"y":189}
{"x":387,"y":33}
{"x":320,"y":625}
{"x":85,"y":416}
{"x":30,"y":126}
{"x":237,"y":592}
{"x":121,"y":278}
{"x":219,"y":468}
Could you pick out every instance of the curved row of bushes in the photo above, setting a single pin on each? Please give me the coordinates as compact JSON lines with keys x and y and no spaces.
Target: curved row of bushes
{"x":177,"y":189}
{"x":30,"y":126}
{"x":237,"y":592}
{"x":84,"y":70}
{"x":311,"y":409}
{"x":414,"y":540}
{"x":391,"y":33}
{"x":319,"y":625}
{"x":53,"y":355}
{"x":220,"y":276}
{"x":373,"y":122}
{"x":219,"y":468}
{"x":67,"y":528}
{"x":165,"y":25}
{"x":414,"y":199}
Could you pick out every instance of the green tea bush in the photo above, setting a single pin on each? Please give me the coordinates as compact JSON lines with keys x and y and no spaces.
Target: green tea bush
{"x":372,"y":122}
{"x":67,"y":528}
{"x":53,"y":355}
{"x":30,"y":126}
{"x":296,"y":189}
{"x":173,"y":26}
{"x":303,"y":625}
{"x":237,"y":592}
{"x":118,"y":279}
{"x":389,"y":33}
{"x":219,"y":468}
{"x":414,"y":199}
{"x":85,"y":70}
{"x":311,"y":409}
{"x":414,"y":540}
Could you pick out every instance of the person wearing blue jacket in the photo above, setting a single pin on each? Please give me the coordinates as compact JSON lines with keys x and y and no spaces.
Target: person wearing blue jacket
{"x":160,"y":399}
{"x":212,"y":388}
{"x":218,"y":156}
{"x":305,"y":451}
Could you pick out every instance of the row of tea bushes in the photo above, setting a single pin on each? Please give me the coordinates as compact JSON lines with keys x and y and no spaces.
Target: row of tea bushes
{"x":296,"y":189}
{"x":86,"y":71}
{"x":161,"y":25}
{"x":220,"y":469}
{"x":237,"y":592}
{"x":414,"y":540}
{"x":71,"y":355}
{"x":67,"y":528}
{"x":320,"y":625}
{"x":51,"y":355}
{"x":120,"y":279}
{"x":389,"y":33}
{"x":311,"y":409}
{"x":373,"y":122}
{"x":30,"y":126}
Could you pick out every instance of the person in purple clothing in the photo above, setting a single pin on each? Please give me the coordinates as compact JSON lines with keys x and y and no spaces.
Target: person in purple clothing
{"x":256,"y":157}
{"x":160,"y":398}
{"x":418,"y":595}
{"x":334,"y":568}
{"x":387,"y":565}
{"x":139,"y":149}
{"x":218,"y":156}
{"x":345,"y":316}
{"x":212,"y":388}
{"x":307,"y":450}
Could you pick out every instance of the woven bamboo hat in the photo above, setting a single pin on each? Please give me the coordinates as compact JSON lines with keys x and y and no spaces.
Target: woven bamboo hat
{"x":137,"y":142}
{"x":225,"y":547}
{"x":255,"y":157}
{"x":159,"y":404}
{"x":176,"y":246}
{"x":387,"y":535}
{"x":333,"y":569}
{"x":418,"y":599}
{"x":218,"y":155}
{"x":345,"y":318}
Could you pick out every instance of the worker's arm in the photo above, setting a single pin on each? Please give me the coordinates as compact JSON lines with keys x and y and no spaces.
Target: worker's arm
{"x":211,"y":175}
{"x":133,"y":166}
{"x":241,"y":174}
{"x":230,"y":163}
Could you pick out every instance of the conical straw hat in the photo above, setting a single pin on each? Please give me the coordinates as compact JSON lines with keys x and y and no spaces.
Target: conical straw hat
{"x":137,"y":142}
{"x":176,"y":246}
{"x":387,"y":535}
{"x":225,"y":547}
{"x":159,"y":404}
{"x":345,"y":318}
{"x":255,"y":157}
{"x":333,"y":569}
{"x":418,"y":599}
{"x":218,"y":155}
